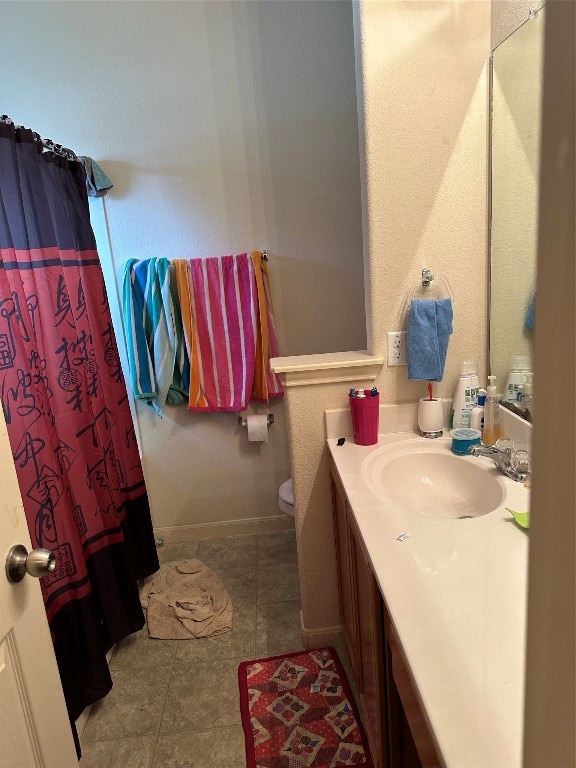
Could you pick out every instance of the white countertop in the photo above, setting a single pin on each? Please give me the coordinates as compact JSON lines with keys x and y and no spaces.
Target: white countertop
{"x":456,"y":594}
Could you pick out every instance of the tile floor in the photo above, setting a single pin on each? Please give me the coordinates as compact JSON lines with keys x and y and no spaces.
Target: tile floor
{"x":175,"y":703}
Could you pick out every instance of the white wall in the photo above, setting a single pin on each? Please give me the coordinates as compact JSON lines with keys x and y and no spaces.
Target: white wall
{"x":424,"y":79}
{"x":508,"y":15}
{"x":516,"y":129}
{"x":225,"y":126}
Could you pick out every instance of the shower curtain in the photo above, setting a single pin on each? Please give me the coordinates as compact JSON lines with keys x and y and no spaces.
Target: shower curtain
{"x":67,"y":413}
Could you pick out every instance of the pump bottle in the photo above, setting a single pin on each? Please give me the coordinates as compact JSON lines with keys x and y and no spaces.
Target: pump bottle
{"x":491,"y":431}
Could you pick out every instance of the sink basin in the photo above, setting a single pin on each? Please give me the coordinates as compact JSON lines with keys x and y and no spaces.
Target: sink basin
{"x":426,"y":478}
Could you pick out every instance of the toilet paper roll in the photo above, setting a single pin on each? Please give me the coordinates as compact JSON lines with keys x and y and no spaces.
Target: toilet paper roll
{"x":257,"y":428}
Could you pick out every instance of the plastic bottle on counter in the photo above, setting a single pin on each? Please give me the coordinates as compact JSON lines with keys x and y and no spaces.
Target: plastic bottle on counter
{"x":525,"y":398}
{"x":466,"y":393}
{"x":477,"y":415}
{"x":491,"y":431}
{"x":520,"y":373}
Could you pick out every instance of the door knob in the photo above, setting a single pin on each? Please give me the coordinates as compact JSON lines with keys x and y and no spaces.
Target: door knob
{"x":39,"y":562}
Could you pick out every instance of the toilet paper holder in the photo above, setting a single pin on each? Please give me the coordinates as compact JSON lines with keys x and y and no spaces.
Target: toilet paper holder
{"x":243,"y":423}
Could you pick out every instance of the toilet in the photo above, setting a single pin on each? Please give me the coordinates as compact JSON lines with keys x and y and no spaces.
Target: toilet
{"x":286,"y":498}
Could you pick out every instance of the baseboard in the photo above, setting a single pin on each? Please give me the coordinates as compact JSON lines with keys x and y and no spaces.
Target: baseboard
{"x":321,"y":637}
{"x":216,"y":530}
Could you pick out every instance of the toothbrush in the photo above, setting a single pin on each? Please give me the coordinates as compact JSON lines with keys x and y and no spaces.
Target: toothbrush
{"x":430,"y":390}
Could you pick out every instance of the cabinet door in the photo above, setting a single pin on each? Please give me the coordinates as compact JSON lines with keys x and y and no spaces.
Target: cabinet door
{"x":346,"y":576}
{"x":412,"y":743}
{"x":370,"y":628}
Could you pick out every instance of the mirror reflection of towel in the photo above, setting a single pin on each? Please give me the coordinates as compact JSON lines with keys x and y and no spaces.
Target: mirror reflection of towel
{"x":429,"y":329}
{"x":531,"y":314}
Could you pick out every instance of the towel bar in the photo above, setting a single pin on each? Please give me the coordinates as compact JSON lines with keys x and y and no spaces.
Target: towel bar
{"x":242,"y":420}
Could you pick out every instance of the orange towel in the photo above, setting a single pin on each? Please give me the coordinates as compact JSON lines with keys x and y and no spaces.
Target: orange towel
{"x":196,"y":398}
{"x":266,"y":384}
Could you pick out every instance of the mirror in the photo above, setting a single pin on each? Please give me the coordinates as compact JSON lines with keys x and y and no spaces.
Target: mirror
{"x":515,"y":159}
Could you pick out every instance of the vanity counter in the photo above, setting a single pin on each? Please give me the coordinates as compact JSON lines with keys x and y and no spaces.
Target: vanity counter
{"x":455,"y":591}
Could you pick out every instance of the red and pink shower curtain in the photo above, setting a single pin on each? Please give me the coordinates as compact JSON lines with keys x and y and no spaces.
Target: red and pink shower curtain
{"x":66,"y":409}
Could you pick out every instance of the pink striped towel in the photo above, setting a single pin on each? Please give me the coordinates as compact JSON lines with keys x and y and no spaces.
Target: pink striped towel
{"x":225,"y":309}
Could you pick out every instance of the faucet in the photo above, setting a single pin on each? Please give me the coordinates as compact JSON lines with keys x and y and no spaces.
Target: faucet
{"x":511,"y":461}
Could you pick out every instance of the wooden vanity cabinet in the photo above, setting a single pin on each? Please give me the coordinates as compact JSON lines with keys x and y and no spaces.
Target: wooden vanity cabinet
{"x":372,"y":691}
{"x":413,"y":745}
{"x":346,"y":575}
{"x":361,"y":613}
{"x":396,"y":727}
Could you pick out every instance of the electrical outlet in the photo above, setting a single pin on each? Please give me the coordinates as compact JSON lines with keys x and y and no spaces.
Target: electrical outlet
{"x":397,"y":348}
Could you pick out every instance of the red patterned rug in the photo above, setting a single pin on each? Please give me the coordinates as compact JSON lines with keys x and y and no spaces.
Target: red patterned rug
{"x":298,"y":712}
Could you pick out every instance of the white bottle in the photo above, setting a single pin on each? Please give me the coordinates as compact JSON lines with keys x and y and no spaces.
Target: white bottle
{"x":466,"y":393}
{"x":525,"y":401}
{"x":477,"y":415}
{"x":520,"y":373}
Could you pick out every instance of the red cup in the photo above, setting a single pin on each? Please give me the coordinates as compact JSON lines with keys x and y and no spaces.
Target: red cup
{"x":365,"y":415}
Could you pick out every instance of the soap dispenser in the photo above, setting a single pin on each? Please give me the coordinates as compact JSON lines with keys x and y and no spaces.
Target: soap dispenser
{"x":491,"y":431}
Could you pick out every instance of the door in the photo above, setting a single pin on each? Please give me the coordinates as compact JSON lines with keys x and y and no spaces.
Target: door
{"x":34,"y":727}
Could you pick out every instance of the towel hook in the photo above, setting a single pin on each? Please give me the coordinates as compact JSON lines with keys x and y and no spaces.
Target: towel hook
{"x":422,"y":290}
{"x":443,"y":287}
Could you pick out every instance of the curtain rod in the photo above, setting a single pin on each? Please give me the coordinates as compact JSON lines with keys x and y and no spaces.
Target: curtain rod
{"x":48,"y":144}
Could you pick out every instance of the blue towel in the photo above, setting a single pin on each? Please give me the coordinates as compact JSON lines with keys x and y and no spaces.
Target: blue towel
{"x":159,"y":367}
{"x":429,"y":329}
{"x":531,"y":314}
{"x":97,"y":183}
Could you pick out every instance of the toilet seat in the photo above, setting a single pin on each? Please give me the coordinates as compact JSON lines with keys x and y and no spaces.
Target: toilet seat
{"x":286,"y":498}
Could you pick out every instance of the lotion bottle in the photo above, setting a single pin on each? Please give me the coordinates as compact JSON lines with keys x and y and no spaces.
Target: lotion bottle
{"x":491,"y":415}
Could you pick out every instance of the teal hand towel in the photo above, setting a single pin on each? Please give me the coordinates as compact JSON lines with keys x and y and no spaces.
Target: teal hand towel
{"x":429,"y":329}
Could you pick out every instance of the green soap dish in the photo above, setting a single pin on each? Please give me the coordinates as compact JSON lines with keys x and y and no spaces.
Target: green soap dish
{"x":522,"y":518}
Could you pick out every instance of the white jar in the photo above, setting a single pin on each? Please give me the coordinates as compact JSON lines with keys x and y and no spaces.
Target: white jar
{"x":520,"y":373}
